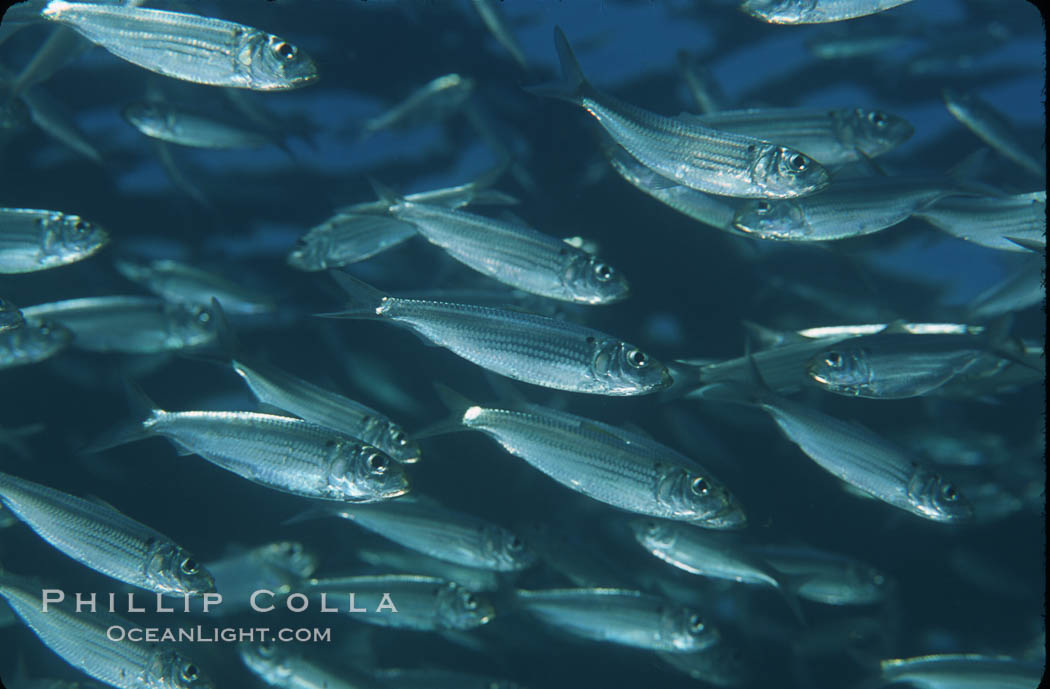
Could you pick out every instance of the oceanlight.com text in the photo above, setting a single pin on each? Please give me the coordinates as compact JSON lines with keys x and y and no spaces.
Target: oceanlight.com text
{"x":202,"y":634}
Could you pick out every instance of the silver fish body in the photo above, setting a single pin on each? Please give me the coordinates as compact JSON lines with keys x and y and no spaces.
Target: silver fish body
{"x":32,"y":342}
{"x":10,"y":317}
{"x":82,"y":641}
{"x":851,"y":208}
{"x":497,"y":25}
{"x":533,"y":349}
{"x":164,"y":122}
{"x":516,"y":255}
{"x":815,"y":11}
{"x":32,"y":240}
{"x":384,"y":558}
{"x":694,"y":155}
{"x":444,"y":534}
{"x":184,"y":46}
{"x":720,"y":665}
{"x":991,"y":221}
{"x":276,"y":567}
{"x":830,"y":137}
{"x":866,"y":461}
{"x":286,"y":454}
{"x":104,"y":539}
{"x":620,"y":616}
{"x":617,"y":467}
{"x":421,"y":603}
{"x":432,"y":678}
{"x":139,"y":325}
{"x":992,"y":127}
{"x":963,"y":671}
{"x":347,"y":238}
{"x":280,"y":667}
{"x":434,"y":100}
{"x":315,"y":404}
{"x":826,"y":577}
{"x":184,"y":284}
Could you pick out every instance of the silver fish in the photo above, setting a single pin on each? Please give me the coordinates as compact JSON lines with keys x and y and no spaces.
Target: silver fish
{"x":10,"y":317}
{"x":279,"y":666}
{"x":850,"y":208}
{"x":434,"y":100}
{"x":830,"y":137}
{"x":184,"y":46}
{"x":185,"y":128}
{"x":421,"y":603}
{"x":827,"y":577}
{"x":496,"y":24}
{"x":514,"y":254}
{"x":139,"y":325}
{"x":866,"y":461}
{"x":446,"y":534}
{"x":620,"y":616}
{"x":315,"y":404}
{"x":721,"y":665}
{"x":276,"y":567}
{"x":393,"y":557}
{"x":33,"y":342}
{"x":55,"y":120}
{"x":992,"y":127}
{"x":286,"y":454}
{"x":432,"y":678}
{"x":62,"y":45}
{"x":699,"y":157}
{"x":1022,"y":288}
{"x":620,"y":468}
{"x":184,"y":284}
{"x":32,"y":240}
{"x":82,"y":641}
{"x":992,"y":221}
{"x":815,"y":11}
{"x":962,"y":671}
{"x":533,"y":349}
{"x":98,"y":536}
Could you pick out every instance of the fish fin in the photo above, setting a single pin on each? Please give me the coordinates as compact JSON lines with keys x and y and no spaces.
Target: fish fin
{"x":1036,"y":245}
{"x":573,"y":86}
{"x":870,"y":163}
{"x":384,"y":193}
{"x":791,"y":598}
{"x":687,"y":377}
{"x":275,"y":411}
{"x":457,"y":404}
{"x":1000,"y":342}
{"x":492,"y":197}
{"x":99,"y":501}
{"x":897,"y":327}
{"x":365,"y":300}
{"x":143,"y":408}
{"x":769,"y":338}
{"x":311,"y":514}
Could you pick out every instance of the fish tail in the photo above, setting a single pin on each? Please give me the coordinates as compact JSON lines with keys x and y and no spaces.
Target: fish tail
{"x":386,"y":194}
{"x":457,"y":404}
{"x":365,"y":300}
{"x":787,"y":589}
{"x":574,"y":85}
{"x":312,"y":514}
{"x":145,"y":409}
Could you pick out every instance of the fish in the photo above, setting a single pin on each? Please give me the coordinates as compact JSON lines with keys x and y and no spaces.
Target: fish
{"x":104,"y":539}
{"x":533,"y":349}
{"x":32,"y":342}
{"x":53,"y":119}
{"x":10,"y":317}
{"x":82,"y":640}
{"x":421,"y":603}
{"x":620,"y":616}
{"x":180,"y":283}
{"x":32,"y":240}
{"x":696,"y":156}
{"x":696,"y":552}
{"x":721,"y":665}
{"x":427,"y":527}
{"x":992,"y":127}
{"x":825,"y":577}
{"x":620,"y":468}
{"x":513,"y":254}
{"x":435,"y":100}
{"x":433,"y":678}
{"x":831,"y":137}
{"x":277,"y":665}
{"x":996,"y":222}
{"x":277,"y":567}
{"x":279,"y":452}
{"x":186,"y":128}
{"x":815,"y":11}
{"x":134,"y":325}
{"x":896,"y":365}
{"x":1021,"y":288}
{"x":497,"y":26}
{"x":61,"y":46}
{"x":962,"y":671}
{"x":850,"y":208}
{"x":384,"y":558}
{"x":202,"y":50}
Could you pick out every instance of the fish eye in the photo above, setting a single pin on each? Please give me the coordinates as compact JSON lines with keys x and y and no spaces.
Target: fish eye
{"x":515,"y":544}
{"x":700,"y":486}
{"x":763,"y":207}
{"x":696,"y":625}
{"x":266,"y":648}
{"x":190,"y":673}
{"x":398,"y":436}
{"x":203,"y":317}
{"x":878,"y":119}
{"x":637,"y":358}
{"x":949,"y":493}
{"x":833,"y":359}
{"x":377,"y":463}
{"x":878,"y":580}
{"x":189,"y":566}
{"x":285,"y":51}
{"x":603,"y":272}
{"x":470,"y":602}
{"x":798,"y":162}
